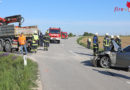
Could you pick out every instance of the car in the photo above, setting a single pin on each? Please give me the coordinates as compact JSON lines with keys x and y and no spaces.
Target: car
{"x":115,"y":58}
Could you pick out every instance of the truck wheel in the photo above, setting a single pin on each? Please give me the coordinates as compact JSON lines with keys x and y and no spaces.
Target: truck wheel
{"x":58,"y":42}
{"x":7,"y":46}
{"x":105,"y":62}
{"x":1,"y":47}
{"x":128,"y":68}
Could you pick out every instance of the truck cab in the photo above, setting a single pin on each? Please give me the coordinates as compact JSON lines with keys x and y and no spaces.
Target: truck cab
{"x":64,"y":35}
{"x":55,"y":35}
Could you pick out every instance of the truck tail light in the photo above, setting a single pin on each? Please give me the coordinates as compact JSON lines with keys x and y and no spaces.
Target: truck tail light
{"x":15,"y":40}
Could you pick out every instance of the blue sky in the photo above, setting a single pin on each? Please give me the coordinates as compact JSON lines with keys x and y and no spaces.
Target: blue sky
{"x":75,"y":16}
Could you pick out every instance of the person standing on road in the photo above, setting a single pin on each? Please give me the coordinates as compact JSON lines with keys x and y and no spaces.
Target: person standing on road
{"x":118,"y":40}
{"x":95,"y":44}
{"x":22,"y":43}
{"x":106,"y":42}
{"x":89,"y":43}
{"x":46,"y":41}
{"x":35,"y":39}
{"x":41,"y":39}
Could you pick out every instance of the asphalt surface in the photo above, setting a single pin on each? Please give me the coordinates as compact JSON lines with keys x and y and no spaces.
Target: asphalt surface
{"x":67,"y":66}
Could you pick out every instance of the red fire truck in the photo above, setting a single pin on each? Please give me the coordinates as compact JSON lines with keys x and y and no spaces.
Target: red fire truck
{"x":64,"y":35}
{"x":55,"y":35}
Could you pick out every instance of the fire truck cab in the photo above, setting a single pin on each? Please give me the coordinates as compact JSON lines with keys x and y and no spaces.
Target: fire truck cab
{"x":55,"y":35}
{"x":64,"y":35}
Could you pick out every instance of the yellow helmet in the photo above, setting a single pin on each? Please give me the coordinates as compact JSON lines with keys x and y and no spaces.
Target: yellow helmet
{"x":35,"y":32}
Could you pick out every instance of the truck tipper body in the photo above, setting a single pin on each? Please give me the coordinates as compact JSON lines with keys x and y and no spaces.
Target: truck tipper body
{"x":55,"y":34}
{"x":9,"y":36}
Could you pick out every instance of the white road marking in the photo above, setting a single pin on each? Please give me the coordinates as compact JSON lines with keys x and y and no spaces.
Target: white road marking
{"x":62,"y":44}
{"x":73,"y":53}
{"x":76,"y":55}
{"x":128,"y":82}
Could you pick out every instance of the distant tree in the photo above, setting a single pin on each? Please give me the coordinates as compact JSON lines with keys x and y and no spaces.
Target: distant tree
{"x":88,"y":34}
{"x":74,"y":35}
{"x":71,"y":35}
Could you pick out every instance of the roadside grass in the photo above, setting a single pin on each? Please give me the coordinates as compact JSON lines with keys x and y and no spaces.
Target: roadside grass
{"x":14,"y":75}
{"x":81,"y":43}
{"x":84,"y":44}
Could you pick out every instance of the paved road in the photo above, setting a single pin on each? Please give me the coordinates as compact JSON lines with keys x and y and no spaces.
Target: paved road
{"x":67,"y":67}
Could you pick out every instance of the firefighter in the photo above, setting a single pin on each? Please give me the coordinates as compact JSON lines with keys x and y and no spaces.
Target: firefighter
{"x":22,"y":43}
{"x":46,"y":41}
{"x":48,"y":38}
{"x":95,"y":44}
{"x":89,"y":43}
{"x":118,"y":40}
{"x":41,"y":39}
{"x":35,"y":39}
{"x":106,"y":42}
{"x":112,"y":46}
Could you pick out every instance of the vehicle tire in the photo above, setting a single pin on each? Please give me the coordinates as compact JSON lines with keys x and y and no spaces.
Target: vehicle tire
{"x":1,"y":46}
{"x":7,"y":46}
{"x":94,"y":61}
{"x":58,"y":42}
{"x":128,"y":68}
{"x":105,"y":62}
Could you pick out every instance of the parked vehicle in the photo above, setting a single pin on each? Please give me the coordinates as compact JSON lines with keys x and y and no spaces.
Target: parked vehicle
{"x":55,"y":35}
{"x":9,"y":33}
{"x":64,"y":35}
{"x":117,"y":58}
{"x":9,"y":36}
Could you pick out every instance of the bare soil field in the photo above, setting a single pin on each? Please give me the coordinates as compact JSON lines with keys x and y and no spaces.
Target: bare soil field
{"x":125,"y":41}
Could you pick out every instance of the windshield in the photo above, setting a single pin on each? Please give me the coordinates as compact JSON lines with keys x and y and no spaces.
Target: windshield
{"x":116,"y":46}
{"x":55,"y":31}
{"x":64,"y":34}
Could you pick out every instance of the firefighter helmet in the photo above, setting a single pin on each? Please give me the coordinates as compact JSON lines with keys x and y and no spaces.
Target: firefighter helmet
{"x":35,"y":32}
{"x":96,"y":34}
{"x":112,"y":36}
{"x":118,"y":36}
{"x":107,"y":34}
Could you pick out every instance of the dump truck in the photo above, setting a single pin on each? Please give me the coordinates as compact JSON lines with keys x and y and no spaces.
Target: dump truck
{"x":9,"y":36}
{"x":9,"y":33}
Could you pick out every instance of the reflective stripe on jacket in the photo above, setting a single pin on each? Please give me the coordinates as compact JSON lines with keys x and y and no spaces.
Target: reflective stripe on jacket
{"x":35,"y":40}
{"x":35,"y":37}
{"x":107,"y":42}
